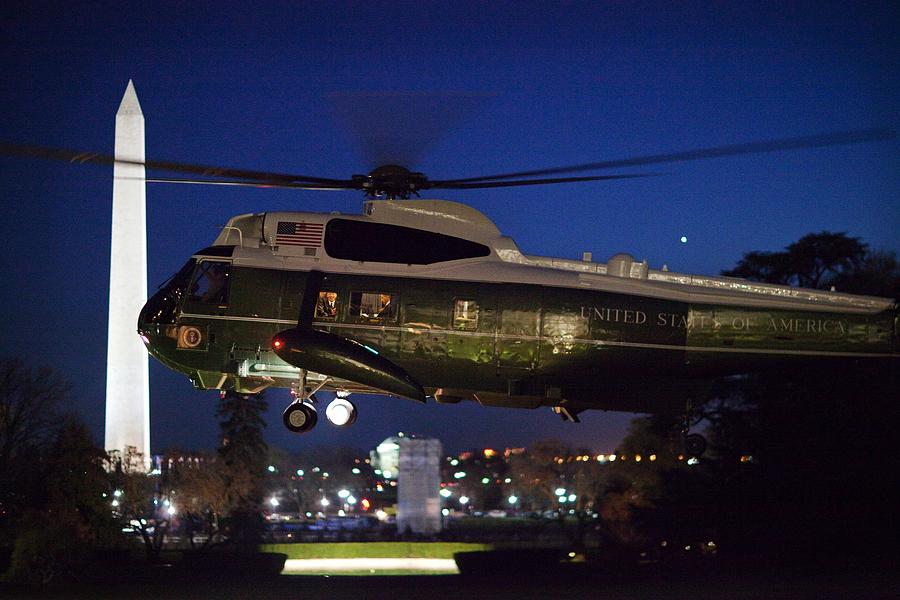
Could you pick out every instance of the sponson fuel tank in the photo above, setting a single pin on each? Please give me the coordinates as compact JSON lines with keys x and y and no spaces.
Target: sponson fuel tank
{"x":336,"y":356}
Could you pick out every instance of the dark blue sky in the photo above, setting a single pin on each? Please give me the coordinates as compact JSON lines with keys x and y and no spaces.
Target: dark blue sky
{"x":568,"y":83}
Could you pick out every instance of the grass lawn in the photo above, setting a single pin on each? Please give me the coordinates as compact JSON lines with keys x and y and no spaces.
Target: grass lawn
{"x":373,"y":549}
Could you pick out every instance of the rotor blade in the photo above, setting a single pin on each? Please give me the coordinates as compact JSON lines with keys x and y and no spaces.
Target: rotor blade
{"x":457,"y":185}
{"x":95,"y":158}
{"x":796,"y":143}
{"x":350,"y":185}
{"x":400,"y":127}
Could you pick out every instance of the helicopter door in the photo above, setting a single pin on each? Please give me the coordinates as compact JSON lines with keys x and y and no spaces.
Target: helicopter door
{"x":518,"y":343}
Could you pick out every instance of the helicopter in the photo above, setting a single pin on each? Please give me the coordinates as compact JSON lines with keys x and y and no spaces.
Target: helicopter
{"x":420,"y":298}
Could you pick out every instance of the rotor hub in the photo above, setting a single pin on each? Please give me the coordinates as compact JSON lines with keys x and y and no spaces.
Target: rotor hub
{"x":391,"y":182}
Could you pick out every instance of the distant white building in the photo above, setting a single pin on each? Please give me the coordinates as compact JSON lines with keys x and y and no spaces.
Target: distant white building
{"x":386,"y":457}
{"x":418,"y":483}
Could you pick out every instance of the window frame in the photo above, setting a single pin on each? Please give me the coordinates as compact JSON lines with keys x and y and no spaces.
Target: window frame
{"x":454,"y":318}
{"x":354,"y":312}
{"x":199,"y":271}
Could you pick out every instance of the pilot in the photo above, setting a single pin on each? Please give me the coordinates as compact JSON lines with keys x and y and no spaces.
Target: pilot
{"x":326,"y":307}
{"x":216,"y":277}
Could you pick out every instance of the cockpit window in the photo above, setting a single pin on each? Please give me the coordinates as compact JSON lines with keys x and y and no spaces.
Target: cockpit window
{"x":211,"y":282}
{"x":380,"y":242}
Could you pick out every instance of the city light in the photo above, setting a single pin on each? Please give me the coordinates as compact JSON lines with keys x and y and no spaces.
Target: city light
{"x":366,"y":505}
{"x":355,"y":471}
{"x":117,"y":493}
{"x":274,"y":502}
{"x":459,"y":474}
{"x":351,"y":500}
{"x":445,"y":493}
{"x":512,"y":499}
{"x":572,"y":497}
{"x":300,"y":472}
{"x":343,"y":493}
{"x":454,"y":462}
{"x":485,"y":480}
{"x":560,"y":492}
{"x":652,"y":457}
{"x":272,"y":468}
{"x":388,"y":474}
{"x":172,"y":510}
{"x":324,"y":502}
{"x":445,"y":512}
{"x":463,"y":500}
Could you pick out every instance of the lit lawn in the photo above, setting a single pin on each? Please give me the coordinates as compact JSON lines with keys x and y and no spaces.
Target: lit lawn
{"x":373,"y":549}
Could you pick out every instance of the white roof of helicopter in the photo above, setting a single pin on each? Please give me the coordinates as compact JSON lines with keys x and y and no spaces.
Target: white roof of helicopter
{"x":260,"y":242}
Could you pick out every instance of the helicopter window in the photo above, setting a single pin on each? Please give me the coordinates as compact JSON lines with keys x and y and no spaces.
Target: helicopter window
{"x":326,"y":306}
{"x":211,"y":282}
{"x":373,"y":307}
{"x":465,"y":314}
{"x":379,"y":242}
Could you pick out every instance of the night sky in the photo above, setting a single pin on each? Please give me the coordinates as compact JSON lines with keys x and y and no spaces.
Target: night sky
{"x":561,"y":83}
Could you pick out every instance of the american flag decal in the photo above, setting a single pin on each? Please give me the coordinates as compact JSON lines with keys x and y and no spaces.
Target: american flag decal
{"x":307,"y":235}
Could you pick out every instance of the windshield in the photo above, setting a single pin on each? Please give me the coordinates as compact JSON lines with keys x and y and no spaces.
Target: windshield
{"x":163,"y":305}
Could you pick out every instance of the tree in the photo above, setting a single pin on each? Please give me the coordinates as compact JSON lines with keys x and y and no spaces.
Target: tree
{"x":141,"y":501}
{"x":814,"y":261}
{"x":550,"y":475}
{"x":877,"y":275}
{"x":67,"y":517}
{"x":803,"y":455}
{"x":30,"y":415}
{"x":204,"y":498}
{"x":243,"y":453}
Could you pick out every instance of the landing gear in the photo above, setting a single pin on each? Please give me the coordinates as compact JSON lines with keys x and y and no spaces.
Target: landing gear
{"x":341,"y":412}
{"x":694,"y":443}
{"x":300,"y":416}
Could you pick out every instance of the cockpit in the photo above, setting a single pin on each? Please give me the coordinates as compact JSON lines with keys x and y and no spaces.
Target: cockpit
{"x":206,"y":283}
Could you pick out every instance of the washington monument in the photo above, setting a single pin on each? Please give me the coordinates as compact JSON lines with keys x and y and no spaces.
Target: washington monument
{"x":127,"y":377}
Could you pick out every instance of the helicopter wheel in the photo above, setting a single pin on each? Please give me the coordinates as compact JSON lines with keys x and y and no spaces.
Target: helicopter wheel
{"x":341,"y":412}
{"x":300,"y":417}
{"x":694,"y":444}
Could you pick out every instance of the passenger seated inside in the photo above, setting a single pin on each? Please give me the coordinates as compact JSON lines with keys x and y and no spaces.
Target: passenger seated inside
{"x":387,"y":310}
{"x":326,"y":307}
{"x":373,"y":307}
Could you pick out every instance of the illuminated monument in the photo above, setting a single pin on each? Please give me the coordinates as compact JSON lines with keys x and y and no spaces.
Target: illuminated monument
{"x":127,"y":377}
{"x":418,"y":503}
